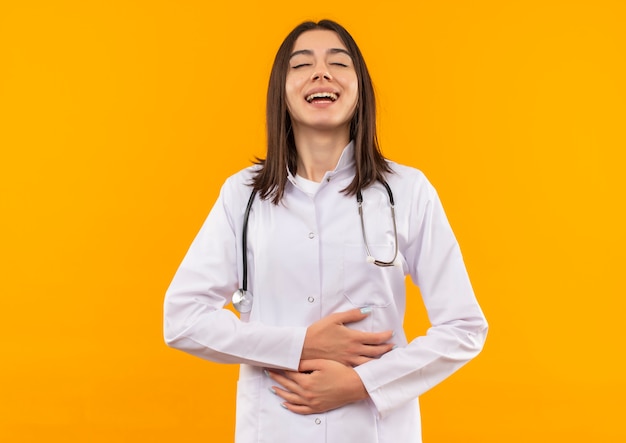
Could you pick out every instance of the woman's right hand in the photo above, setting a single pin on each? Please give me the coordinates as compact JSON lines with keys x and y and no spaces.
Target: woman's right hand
{"x":330,"y":339}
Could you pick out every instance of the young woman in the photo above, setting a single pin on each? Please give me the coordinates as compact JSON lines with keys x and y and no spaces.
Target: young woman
{"x":323,"y":232}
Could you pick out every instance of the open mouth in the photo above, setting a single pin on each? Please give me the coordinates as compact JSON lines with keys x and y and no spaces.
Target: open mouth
{"x":322,"y":97}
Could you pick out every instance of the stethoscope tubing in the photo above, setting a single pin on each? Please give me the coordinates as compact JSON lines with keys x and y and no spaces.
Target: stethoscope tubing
{"x":242,"y":299}
{"x":359,"y":199}
{"x":244,"y":241}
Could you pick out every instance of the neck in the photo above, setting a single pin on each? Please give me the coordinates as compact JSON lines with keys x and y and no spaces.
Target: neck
{"x":319,"y":152}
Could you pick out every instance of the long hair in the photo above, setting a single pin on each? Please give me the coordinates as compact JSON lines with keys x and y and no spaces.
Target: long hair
{"x":281,"y":155}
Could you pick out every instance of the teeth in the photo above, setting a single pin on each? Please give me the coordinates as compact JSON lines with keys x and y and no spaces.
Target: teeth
{"x":330,"y":95}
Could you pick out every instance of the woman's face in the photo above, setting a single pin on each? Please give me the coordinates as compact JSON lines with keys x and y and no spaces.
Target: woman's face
{"x":322,"y":85}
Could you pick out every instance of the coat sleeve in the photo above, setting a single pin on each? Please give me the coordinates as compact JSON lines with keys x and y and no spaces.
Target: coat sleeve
{"x":458,"y":326}
{"x":195,"y":318}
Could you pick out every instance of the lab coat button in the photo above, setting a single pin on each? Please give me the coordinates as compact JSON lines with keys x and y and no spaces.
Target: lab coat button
{"x":311,"y":299}
{"x":311,"y":235}
{"x":318,"y":421}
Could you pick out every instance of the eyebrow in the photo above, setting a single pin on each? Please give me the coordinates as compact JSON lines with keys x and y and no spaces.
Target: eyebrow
{"x":329,"y":51}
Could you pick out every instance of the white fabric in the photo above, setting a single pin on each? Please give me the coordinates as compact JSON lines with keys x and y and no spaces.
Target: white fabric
{"x":306,"y":260}
{"x":309,"y":187}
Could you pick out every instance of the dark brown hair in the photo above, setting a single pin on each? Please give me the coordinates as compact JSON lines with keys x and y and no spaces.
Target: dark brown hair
{"x":271,"y":178}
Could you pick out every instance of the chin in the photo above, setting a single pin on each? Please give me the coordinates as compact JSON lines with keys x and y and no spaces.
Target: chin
{"x":326,"y":125}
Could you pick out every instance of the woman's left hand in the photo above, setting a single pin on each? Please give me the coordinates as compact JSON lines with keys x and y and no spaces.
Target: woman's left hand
{"x":321,"y":385}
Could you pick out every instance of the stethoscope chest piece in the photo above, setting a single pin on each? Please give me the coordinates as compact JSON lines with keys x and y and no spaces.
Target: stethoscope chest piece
{"x":242,"y":301}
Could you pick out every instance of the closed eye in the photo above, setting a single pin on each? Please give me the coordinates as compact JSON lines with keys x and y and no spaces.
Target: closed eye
{"x":300,"y":65}
{"x":343,"y":65}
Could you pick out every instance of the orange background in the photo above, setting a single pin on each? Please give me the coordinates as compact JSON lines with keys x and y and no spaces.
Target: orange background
{"x":119,"y":120}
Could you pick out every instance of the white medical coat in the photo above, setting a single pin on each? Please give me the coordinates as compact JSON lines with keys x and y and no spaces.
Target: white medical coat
{"x":306,"y":260}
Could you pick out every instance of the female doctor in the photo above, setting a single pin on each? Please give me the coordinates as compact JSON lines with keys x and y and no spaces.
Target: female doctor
{"x":315,"y":241}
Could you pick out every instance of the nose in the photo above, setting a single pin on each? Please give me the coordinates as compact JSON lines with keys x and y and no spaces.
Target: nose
{"x":319,"y":75}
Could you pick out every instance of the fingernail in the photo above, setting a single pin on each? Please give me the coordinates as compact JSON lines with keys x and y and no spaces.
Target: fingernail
{"x":266,"y":372}
{"x":393,"y":333}
{"x":394,"y":347}
{"x":366,"y":310}
{"x":284,"y":405}
{"x":272,"y":390}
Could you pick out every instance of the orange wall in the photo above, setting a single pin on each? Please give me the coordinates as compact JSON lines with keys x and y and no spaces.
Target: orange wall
{"x":120,"y":119}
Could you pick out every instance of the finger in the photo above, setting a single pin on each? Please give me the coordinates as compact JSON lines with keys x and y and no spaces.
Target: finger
{"x":352,"y":316}
{"x":375,"y":351}
{"x":310,"y":365}
{"x":285,"y":382}
{"x":298,"y":409}
{"x":289,"y":397}
{"x":375,"y":338}
{"x":359,"y":360}
{"x":369,"y":353}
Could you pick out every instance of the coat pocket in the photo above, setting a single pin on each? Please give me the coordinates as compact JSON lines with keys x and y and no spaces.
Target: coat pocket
{"x":367,"y":284}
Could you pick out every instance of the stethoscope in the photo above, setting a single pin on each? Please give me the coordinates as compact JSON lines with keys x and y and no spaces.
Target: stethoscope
{"x":242,"y":298}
